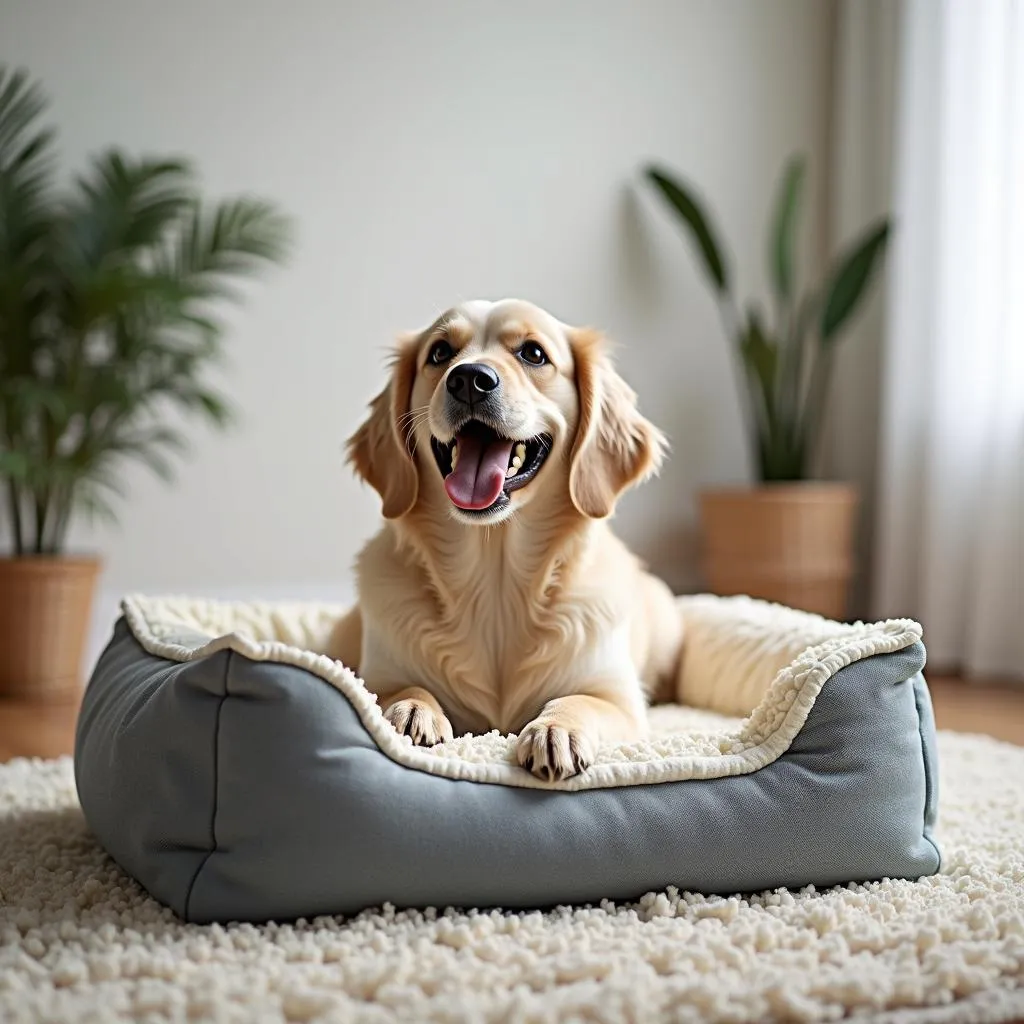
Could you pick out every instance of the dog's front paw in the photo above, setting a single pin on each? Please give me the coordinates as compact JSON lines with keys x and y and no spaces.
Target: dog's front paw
{"x":553,"y":752}
{"x":419,"y":721}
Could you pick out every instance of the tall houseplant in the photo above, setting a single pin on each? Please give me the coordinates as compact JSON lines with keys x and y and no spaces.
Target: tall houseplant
{"x":108,"y":290}
{"x":788,"y":539}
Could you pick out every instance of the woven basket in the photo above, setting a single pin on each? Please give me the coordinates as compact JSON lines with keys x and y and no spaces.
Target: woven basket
{"x":790,"y":543}
{"x":45,"y":605}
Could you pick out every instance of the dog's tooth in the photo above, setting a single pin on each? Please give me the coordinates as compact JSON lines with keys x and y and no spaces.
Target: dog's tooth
{"x":455,"y":456}
{"x":520,"y":453}
{"x":511,"y":471}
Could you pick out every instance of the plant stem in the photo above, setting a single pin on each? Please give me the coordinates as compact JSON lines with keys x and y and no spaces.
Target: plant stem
{"x":815,"y":402}
{"x":60,"y":527}
{"x":13,"y":497}
{"x":14,"y":502}
{"x":791,"y":371}
{"x":44,"y":544}
{"x":39,"y":501}
{"x":55,"y":516}
{"x":731,"y":324}
{"x":786,"y":320}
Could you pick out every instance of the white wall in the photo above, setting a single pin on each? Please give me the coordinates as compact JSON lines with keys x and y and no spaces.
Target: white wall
{"x":862,"y":148}
{"x":432,"y":151}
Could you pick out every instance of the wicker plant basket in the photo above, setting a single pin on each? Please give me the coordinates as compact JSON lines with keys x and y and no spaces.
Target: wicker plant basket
{"x":45,"y":604}
{"x":790,"y":543}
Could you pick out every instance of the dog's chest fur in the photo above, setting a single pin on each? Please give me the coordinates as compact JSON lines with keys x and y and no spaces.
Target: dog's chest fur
{"x":487,"y":631}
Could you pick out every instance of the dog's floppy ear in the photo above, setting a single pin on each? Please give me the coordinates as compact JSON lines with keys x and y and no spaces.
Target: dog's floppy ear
{"x":381,"y":450}
{"x":615,"y":447}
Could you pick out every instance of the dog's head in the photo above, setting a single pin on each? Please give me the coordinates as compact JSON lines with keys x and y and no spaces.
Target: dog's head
{"x":496,"y":405}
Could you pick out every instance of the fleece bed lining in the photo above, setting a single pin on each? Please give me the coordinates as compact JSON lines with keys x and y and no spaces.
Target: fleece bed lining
{"x":741,"y":657}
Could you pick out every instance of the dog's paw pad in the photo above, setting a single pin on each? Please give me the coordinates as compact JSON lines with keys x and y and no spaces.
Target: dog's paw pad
{"x":420,"y":722}
{"x":553,"y":753}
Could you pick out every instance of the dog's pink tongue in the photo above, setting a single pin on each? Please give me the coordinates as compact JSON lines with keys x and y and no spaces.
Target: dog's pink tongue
{"x":479,"y":474}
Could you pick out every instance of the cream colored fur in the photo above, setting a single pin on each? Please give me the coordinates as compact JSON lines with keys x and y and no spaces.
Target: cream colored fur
{"x":537,"y":621}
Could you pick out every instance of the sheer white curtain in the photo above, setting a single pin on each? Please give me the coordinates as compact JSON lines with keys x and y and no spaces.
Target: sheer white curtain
{"x":950,"y":530}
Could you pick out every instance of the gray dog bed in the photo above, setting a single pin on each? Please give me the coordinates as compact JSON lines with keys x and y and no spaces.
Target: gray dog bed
{"x":239,"y":775}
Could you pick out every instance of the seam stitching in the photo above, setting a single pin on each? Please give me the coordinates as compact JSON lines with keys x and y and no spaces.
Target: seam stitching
{"x":216,"y":788}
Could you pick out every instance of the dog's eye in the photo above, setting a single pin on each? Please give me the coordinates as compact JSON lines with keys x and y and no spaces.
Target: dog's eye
{"x":440,"y":352}
{"x":533,"y":354}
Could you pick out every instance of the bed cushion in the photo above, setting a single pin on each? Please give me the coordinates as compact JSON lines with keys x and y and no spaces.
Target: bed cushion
{"x":240,"y":775}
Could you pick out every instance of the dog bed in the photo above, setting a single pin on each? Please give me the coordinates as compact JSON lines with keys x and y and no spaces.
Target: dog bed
{"x":240,"y":775}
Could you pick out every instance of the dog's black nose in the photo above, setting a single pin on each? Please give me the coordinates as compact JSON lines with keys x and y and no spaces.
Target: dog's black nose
{"x":470,"y":382}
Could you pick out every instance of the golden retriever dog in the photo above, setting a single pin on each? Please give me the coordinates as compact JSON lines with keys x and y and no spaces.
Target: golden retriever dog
{"x":496,"y":596}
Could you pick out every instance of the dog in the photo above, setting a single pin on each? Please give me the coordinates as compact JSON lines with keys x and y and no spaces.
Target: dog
{"x":496,"y":596}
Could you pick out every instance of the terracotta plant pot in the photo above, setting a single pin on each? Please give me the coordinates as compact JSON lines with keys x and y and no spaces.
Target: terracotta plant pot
{"x":790,"y":543}
{"x":45,"y":605}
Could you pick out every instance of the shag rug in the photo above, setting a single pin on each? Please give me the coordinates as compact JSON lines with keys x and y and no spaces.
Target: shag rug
{"x":80,"y":941}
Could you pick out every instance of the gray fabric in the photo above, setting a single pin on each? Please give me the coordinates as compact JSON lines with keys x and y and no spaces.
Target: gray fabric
{"x":241,"y":790}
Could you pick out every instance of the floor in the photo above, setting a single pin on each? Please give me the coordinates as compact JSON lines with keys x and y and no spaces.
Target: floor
{"x":48,"y":730}
{"x":993,"y":709}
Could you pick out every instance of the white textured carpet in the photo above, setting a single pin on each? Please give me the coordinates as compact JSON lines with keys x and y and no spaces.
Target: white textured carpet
{"x":79,"y":941}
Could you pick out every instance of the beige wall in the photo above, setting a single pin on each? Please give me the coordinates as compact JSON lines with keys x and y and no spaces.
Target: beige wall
{"x":429,"y":152}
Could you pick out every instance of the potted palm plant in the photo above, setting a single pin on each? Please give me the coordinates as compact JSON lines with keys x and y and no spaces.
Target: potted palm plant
{"x":108,"y":290}
{"x":789,"y":539}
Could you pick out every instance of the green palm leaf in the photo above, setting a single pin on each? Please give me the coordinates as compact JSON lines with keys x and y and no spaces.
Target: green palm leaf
{"x":235,"y":238}
{"x":124,"y":206}
{"x":782,"y":255}
{"x":108,"y":315}
{"x":783,"y":374}
{"x":21,"y":104}
{"x":850,"y":279}
{"x":688,"y":208}
{"x":26,"y":178}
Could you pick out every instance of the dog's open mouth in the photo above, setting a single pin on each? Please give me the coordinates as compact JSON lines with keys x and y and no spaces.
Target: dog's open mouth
{"x":481,"y":468}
